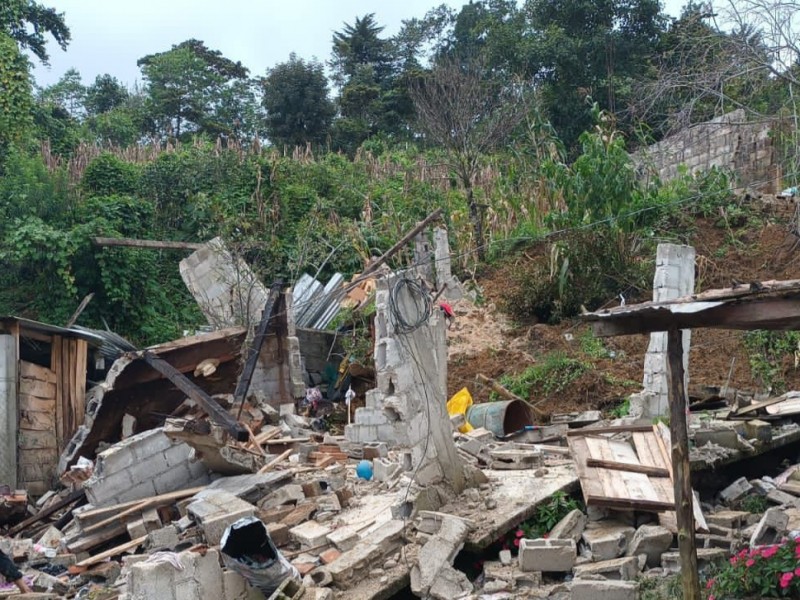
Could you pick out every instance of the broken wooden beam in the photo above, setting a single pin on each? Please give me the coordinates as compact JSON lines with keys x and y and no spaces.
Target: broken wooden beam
{"x":266,"y":324}
{"x":154,"y":244}
{"x":217,"y":414}
{"x":43,"y":514}
{"x":506,"y":393}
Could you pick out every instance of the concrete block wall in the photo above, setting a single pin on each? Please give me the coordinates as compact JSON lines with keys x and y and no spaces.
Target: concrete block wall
{"x":727,"y":142}
{"x":674,"y":278}
{"x":202,"y":578}
{"x":408,"y":407}
{"x":143,"y":465}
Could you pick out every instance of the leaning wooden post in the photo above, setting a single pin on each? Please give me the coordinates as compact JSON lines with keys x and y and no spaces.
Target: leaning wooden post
{"x":682,"y":475}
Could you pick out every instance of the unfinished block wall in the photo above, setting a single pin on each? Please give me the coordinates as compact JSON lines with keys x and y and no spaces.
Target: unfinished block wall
{"x":143,"y":465}
{"x":727,"y":142}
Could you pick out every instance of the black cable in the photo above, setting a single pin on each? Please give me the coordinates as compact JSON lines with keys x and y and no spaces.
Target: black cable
{"x":422,"y":305}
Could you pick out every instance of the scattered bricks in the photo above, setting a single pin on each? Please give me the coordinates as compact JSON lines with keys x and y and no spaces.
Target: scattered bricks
{"x":344,"y":538}
{"x":215,"y":510}
{"x":310,"y":534}
{"x":303,"y":566}
{"x":570,"y":527}
{"x":783,"y":499}
{"x":384,"y":469}
{"x":330,"y":555}
{"x":436,"y":557}
{"x":730,"y":519}
{"x":671,"y":561}
{"x":587,"y":589}
{"x":312,"y":489}
{"x":622,"y":569}
{"x":354,"y":564}
{"x":275,"y":515}
{"x":278,"y":533}
{"x":285,"y":495}
{"x":165,"y":538}
{"x":344,"y":494}
{"x":735,"y":491}
{"x":770,"y":528}
{"x":652,"y":541}
{"x":758,"y":430}
{"x":549,"y":556}
{"x":300,"y":513}
{"x":607,"y":539}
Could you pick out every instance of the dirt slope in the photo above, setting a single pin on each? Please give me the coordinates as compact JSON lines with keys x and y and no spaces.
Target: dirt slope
{"x":485,"y":341}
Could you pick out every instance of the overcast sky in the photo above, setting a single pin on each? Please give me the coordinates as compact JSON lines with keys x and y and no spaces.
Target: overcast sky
{"x":109,"y":36}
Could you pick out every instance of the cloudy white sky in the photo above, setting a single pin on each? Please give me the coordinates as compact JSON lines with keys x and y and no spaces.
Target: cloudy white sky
{"x":108,"y":36}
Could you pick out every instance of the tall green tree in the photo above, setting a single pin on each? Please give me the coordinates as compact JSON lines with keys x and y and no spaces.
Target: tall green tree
{"x":105,"y":94}
{"x":186,"y":85}
{"x":299,"y":109}
{"x":16,"y":100}
{"x":28,"y":22}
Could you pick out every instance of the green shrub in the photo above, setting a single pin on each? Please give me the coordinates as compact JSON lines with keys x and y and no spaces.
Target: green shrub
{"x":107,"y":175}
{"x":550,"y":376}
{"x":767,"y":351}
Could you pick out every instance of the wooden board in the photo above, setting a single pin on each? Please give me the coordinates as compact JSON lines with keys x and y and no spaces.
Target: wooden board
{"x":38,"y":372}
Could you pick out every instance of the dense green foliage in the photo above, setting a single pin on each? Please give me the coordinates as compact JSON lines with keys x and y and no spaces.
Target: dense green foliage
{"x":483,"y":111}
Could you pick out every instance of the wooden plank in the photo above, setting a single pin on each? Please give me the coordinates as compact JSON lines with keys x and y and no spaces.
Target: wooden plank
{"x":631,"y":468}
{"x":152,"y":244}
{"x":37,"y":388}
{"x":580,"y":452}
{"x":80,"y":384}
{"x":208,"y":404}
{"x":32,"y":420}
{"x":623,"y":452}
{"x":117,"y":550}
{"x":55,"y":366}
{"x":37,"y":471}
{"x":607,"y":430}
{"x":34,"y":371}
{"x":86,"y":543}
{"x":759,"y":405}
{"x":37,"y":439}
{"x":275,"y":461}
{"x":38,"y":404}
{"x":647,"y":450}
{"x":43,"y":514}
{"x":682,"y":476}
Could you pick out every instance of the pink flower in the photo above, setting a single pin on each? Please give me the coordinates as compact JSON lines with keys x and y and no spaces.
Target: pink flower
{"x":516,"y":542}
{"x":750,"y":562}
{"x":769,"y":551}
{"x":786,"y":579}
{"x":711,"y":597}
{"x":797,"y":571}
{"x":519,"y":533}
{"x":733,"y":560}
{"x":709,"y":584}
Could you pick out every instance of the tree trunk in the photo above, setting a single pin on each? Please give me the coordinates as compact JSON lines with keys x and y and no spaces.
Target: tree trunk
{"x":476,"y":217}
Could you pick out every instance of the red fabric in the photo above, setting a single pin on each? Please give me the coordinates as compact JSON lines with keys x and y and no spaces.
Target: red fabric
{"x":447,"y":309}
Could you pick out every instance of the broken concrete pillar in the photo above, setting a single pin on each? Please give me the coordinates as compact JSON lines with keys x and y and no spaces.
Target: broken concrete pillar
{"x":409,"y":407}
{"x":444,"y":274}
{"x":549,"y":556}
{"x":9,"y":411}
{"x":674,"y":278}
{"x":144,"y":465}
{"x":437,"y":555}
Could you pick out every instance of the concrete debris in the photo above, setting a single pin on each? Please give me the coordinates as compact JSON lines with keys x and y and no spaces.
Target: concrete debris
{"x":550,"y":556}
{"x":436,"y":558}
{"x":771,"y":528}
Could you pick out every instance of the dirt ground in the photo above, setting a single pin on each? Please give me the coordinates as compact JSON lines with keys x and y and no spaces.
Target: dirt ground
{"x":485,"y":341}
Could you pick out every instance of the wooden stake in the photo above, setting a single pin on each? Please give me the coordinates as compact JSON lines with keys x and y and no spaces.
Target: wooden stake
{"x":279,"y":459}
{"x":682,"y":475}
{"x":497,"y":387}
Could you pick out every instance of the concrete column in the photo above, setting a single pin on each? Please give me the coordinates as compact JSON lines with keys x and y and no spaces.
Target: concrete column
{"x":423,"y":257}
{"x":9,"y":410}
{"x":444,"y":273}
{"x":674,"y":278}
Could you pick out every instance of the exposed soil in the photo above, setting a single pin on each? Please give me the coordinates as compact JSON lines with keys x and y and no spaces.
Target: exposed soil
{"x":483,"y":340}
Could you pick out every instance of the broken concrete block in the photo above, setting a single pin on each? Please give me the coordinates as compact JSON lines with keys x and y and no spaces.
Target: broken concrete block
{"x":758,"y":430}
{"x":723,"y":436}
{"x":505,"y":557}
{"x":344,"y":538}
{"x":783,"y":499}
{"x":771,"y":528}
{"x":607,"y":539}
{"x":310,"y":534}
{"x":43,"y":582}
{"x":762,"y":487}
{"x":735,"y":491}
{"x":165,"y":538}
{"x":624,"y":569}
{"x":652,"y":541}
{"x":384,"y":469}
{"x":215,"y":510}
{"x":671,"y":561}
{"x":438,"y":554}
{"x":556,"y":556}
{"x":200,"y":579}
{"x":252,"y":487}
{"x":354,"y":565}
{"x":284,"y":495}
{"x":329,"y":502}
{"x":570,"y":527}
{"x":589,"y":589}
{"x":730,"y":519}
{"x":450,"y":584}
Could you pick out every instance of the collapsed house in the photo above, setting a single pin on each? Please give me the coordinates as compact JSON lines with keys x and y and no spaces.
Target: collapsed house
{"x":198,"y":470}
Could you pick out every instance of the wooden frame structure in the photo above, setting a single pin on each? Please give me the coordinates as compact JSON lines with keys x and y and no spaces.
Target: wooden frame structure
{"x":46,"y":399}
{"x":771,"y":305}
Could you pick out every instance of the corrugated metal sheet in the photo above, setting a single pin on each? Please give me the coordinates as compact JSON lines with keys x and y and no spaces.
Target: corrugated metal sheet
{"x":315,"y":305}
